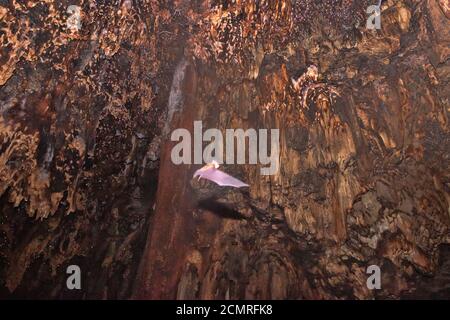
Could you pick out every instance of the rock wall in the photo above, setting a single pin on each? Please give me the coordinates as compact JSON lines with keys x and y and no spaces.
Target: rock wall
{"x":79,"y":146}
{"x":360,"y":180}
{"x":87,"y":179}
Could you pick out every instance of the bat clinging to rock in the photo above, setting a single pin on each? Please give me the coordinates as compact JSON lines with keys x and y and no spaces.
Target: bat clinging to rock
{"x":212,"y":173}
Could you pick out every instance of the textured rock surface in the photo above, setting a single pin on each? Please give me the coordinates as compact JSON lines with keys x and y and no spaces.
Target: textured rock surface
{"x":79,"y":150}
{"x":364,"y":162}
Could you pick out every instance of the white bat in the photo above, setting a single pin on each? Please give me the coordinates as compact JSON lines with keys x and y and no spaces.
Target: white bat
{"x":212,"y":173}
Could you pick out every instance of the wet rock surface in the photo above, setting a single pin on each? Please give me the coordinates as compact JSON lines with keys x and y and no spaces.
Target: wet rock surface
{"x":79,"y":143}
{"x":86,"y":175}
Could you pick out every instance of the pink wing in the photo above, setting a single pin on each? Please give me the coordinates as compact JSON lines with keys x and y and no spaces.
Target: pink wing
{"x":220,"y":177}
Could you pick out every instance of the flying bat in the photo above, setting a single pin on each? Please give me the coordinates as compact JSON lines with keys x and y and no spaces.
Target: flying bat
{"x":212,"y":173}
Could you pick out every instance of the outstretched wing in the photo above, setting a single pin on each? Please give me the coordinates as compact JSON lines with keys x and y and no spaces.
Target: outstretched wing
{"x":220,"y":177}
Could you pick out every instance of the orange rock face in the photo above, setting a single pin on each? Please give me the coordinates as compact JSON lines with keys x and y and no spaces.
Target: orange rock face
{"x":86,"y":172}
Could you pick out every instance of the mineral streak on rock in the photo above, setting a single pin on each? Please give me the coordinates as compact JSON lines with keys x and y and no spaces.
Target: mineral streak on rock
{"x":365,"y":142}
{"x":445,"y":6}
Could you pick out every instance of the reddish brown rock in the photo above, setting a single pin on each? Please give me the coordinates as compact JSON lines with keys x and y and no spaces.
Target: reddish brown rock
{"x":86,"y":176}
